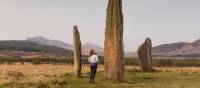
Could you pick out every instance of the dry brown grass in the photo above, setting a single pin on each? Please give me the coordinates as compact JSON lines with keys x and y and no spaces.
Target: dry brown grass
{"x":180,"y":69}
{"x":168,"y":69}
{"x":29,"y":73}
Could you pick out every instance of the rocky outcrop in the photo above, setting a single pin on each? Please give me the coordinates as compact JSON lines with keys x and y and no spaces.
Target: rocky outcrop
{"x":77,"y":52}
{"x":113,"y":45}
{"x":144,"y":54}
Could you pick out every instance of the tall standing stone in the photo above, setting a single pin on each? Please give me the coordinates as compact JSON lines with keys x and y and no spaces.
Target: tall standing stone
{"x":77,"y":52}
{"x":144,"y":54}
{"x":113,"y":45}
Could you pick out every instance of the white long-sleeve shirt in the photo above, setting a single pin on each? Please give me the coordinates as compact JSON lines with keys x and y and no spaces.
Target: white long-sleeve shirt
{"x":93,"y":59}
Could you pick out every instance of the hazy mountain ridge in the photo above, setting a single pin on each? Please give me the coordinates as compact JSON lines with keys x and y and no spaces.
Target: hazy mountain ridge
{"x":88,"y":46}
{"x":27,"y":47}
{"x":85,"y":47}
{"x":173,"y":49}
{"x":167,"y":48}
{"x":45,"y":41}
{"x":178,"y":49}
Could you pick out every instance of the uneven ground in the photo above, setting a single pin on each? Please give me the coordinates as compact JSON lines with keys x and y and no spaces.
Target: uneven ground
{"x":60,"y":76}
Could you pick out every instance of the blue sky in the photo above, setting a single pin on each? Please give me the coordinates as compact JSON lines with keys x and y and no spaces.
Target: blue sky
{"x":164,"y":21}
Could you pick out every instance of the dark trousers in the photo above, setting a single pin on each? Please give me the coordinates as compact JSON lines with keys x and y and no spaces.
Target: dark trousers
{"x":93,"y":69}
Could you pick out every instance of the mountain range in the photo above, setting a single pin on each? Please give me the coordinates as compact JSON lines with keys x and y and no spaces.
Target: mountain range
{"x":173,"y":49}
{"x":45,"y":41}
{"x":23,"y":48}
{"x":178,"y":49}
{"x":85,"y":47}
{"x":43,"y":44}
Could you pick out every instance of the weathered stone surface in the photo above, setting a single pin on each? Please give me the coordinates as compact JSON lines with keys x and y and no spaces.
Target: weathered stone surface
{"x":77,"y":52}
{"x":144,"y":54}
{"x":113,"y":45}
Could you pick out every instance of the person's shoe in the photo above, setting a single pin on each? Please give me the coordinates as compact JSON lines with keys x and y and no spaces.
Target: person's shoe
{"x":93,"y":82}
{"x":90,"y":81}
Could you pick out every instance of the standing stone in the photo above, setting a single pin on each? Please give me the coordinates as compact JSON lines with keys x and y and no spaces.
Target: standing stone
{"x":144,"y":54}
{"x":77,"y":52}
{"x":113,"y":45}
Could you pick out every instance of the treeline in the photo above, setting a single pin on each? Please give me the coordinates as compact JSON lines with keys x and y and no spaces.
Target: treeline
{"x":69,"y":60}
{"x":35,"y":60}
{"x":29,"y":46}
{"x":160,"y":62}
{"x":168,"y":62}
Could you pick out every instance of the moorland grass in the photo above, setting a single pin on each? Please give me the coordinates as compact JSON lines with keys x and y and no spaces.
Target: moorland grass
{"x":132,"y":80}
{"x":61,"y":77}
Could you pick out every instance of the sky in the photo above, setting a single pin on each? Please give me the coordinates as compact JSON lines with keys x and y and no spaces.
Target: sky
{"x":164,"y":21}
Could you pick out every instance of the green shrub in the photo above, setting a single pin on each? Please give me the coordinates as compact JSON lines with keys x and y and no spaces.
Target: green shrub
{"x":165,"y":62}
{"x":10,"y":63}
{"x":36,"y":62}
{"x":22,"y":62}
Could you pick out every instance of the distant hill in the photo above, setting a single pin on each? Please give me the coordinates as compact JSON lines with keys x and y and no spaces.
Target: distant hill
{"x":28,"y":46}
{"x":41,"y":44}
{"x":85,"y":47}
{"x":166,"y":49}
{"x":45,"y":41}
{"x":88,"y":46}
{"x":178,"y":49}
{"x":173,"y":49}
{"x":130,"y":54}
{"x":185,"y":49}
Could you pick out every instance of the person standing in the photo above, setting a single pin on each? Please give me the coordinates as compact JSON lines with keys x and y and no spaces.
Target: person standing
{"x":93,"y":60}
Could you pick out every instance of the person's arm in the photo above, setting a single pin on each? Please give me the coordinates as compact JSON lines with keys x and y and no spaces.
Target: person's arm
{"x":89,"y":60}
{"x":97,"y":58}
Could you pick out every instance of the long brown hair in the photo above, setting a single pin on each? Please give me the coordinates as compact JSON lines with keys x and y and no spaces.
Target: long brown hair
{"x":92,"y":52}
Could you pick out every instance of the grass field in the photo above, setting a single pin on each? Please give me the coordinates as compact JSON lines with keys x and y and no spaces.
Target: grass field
{"x":61,"y":76}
